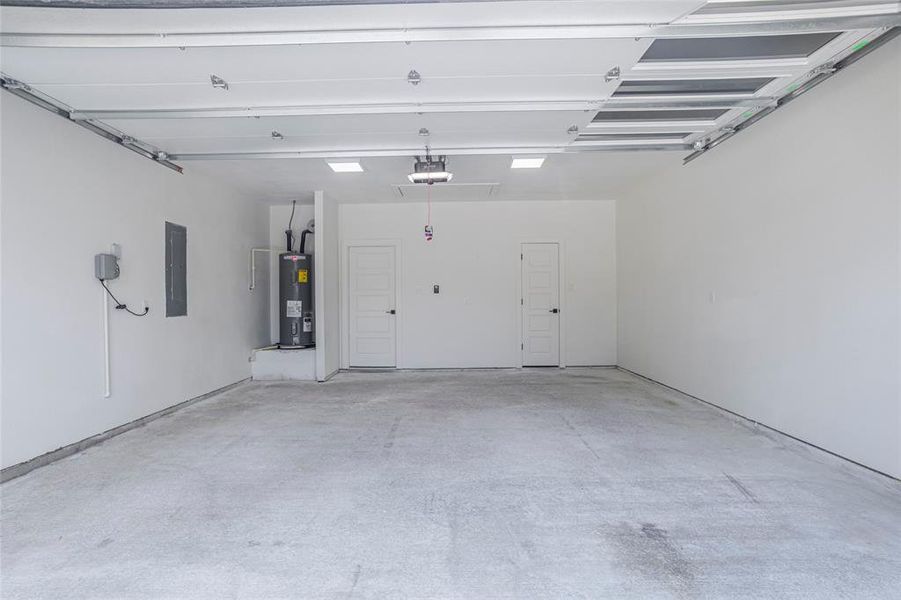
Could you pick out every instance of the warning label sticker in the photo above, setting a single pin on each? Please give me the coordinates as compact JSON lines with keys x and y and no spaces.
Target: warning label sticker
{"x":302,"y":275}
{"x":294,"y":308}
{"x":307,"y":325}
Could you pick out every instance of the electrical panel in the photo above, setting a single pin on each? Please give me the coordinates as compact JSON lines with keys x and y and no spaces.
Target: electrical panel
{"x":176,"y":270}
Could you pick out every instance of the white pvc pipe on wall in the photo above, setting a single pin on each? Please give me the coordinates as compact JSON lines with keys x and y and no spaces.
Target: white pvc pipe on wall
{"x":106,"y":393}
{"x":253,"y":265}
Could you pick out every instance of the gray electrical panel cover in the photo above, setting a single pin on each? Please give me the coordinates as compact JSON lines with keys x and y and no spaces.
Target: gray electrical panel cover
{"x":176,"y":270}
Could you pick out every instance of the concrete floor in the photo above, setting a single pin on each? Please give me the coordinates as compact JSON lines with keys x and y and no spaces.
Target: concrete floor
{"x":583,"y":483}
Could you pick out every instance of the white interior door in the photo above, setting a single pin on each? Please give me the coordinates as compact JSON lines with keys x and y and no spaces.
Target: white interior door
{"x":540,"y":305}
{"x":372,"y":331}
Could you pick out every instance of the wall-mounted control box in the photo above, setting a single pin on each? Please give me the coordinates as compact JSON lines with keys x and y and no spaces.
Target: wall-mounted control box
{"x":106,"y":266}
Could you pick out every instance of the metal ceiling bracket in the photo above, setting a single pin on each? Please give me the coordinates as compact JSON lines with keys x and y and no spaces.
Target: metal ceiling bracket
{"x":414,"y":78}
{"x":825,"y":69}
{"x":14,"y":84}
{"x":218,"y":82}
{"x":612,"y":75}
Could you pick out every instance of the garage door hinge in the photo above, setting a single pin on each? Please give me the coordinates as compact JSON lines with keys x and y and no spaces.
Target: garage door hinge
{"x":520,"y":256}
{"x":520,"y":301}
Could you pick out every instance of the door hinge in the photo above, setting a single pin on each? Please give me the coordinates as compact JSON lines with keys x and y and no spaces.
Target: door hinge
{"x":522,"y":346}
{"x":520,"y":256}
{"x":520,"y":301}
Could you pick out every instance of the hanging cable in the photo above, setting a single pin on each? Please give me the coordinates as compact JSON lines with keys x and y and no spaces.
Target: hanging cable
{"x":119,"y":305}
{"x":428,"y":228}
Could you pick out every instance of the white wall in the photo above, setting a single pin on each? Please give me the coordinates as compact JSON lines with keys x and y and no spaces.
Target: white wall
{"x":68,"y":194}
{"x":474,"y":257}
{"x":764,"y":277}
{"x":279,"y":216}
{"x":326,"y":286}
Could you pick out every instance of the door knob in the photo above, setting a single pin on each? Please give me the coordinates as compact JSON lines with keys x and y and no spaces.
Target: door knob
{"x":555,"y":310}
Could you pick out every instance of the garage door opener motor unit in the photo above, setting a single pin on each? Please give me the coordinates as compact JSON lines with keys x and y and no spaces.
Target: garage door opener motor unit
{"x":296,"y":310}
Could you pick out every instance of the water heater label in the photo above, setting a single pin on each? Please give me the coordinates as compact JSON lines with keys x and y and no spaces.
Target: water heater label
{"x":294,"y":308}
{"x":302,"y":275}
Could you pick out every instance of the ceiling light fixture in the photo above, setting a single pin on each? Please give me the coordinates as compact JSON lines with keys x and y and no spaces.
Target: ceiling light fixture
{"x":527,"y":162}
{"x":430,"y":170}
{"x":346,"y":167}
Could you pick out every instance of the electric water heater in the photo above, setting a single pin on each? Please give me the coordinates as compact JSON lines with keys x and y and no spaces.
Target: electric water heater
{"x":296,"y":311}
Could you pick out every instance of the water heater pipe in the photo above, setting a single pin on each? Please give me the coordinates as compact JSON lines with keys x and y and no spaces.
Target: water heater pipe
{"x":303,"y":240}
{"x":253,"y":265}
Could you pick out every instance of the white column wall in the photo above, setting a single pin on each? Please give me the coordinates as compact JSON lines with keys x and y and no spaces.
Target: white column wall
{"x":327,"y":274}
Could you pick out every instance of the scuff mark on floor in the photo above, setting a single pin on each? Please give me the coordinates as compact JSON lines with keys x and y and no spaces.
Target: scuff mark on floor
{"x":741,"y":488}
{"x":392,"y":434}
{"x":650,"y":550}
{"x":579,"y":435}
{"x":356,"y":579}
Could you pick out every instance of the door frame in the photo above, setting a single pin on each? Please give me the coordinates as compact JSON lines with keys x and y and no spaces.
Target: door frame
{"x":344,"y":296}
{"x":561,"y":284}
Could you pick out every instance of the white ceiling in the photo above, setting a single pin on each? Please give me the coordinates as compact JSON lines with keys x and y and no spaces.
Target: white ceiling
{"x":587,"y":176}
{"x":497,"y":79}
